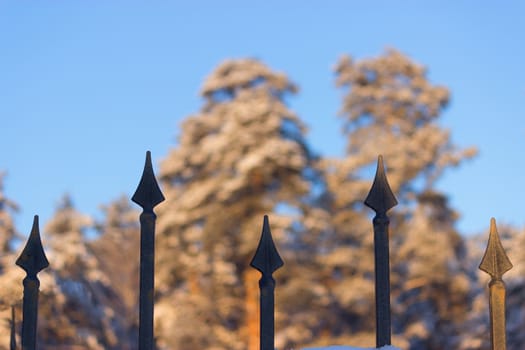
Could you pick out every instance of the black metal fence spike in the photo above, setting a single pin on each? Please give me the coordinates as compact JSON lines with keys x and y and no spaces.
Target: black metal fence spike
{"x":495,"y":262}
{"x":148,"y":193}
{"x":32,"y":260}
{"x":267,"y":260}
{"x":12,"y":338}
{"x":381,"y":199}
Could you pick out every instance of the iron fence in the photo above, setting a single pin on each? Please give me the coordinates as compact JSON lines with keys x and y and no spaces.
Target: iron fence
{"x":266,"y":260}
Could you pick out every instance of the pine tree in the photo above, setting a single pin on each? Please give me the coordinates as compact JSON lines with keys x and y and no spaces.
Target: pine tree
{"x":391,"y":108}
{"x":10,"y":275}
{"x":242,"y":156}
{"x":76,"y":296}
{"x":7,"y":227}
{"x":117,"y":251}
{"x":65,"y":235}
{"x":432,"y":283}
{"x":515,"y":281}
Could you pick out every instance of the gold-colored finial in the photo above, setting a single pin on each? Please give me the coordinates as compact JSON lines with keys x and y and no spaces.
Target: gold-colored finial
{"x":495,"y":262}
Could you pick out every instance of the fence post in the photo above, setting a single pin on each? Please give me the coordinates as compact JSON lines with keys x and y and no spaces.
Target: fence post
{"x":12,"y":338}
{"x":267,"y":260}
{"x":32,"y":260}
{"x":381,"y":199}
{"x":495,"y":262}
{"x":147,"y":195}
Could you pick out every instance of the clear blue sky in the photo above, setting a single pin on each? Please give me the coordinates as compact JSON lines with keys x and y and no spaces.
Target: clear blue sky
{"x":86,"y":87}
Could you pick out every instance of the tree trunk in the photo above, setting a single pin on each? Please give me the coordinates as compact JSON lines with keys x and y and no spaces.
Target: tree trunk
{"x":251,"y":306}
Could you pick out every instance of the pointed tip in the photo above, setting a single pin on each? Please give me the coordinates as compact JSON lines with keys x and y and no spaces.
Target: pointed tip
{"x":495,"y":261}
{"x":33,"y":258}
{"x":148,"y":193}
{"x":380,"y":198}
{"x":148,"y":162}
{"x":493,"y":228}
{"x":266,"y":258}
{"x":36,"y":223}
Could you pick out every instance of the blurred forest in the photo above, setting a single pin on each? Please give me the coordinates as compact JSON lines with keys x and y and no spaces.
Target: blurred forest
{"x":245,"y":154}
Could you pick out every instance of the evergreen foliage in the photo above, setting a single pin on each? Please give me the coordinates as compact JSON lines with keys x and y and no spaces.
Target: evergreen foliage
{"x":245,"y":154}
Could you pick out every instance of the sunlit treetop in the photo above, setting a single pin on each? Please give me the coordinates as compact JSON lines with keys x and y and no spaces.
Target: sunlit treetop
{"x":234,"y":75}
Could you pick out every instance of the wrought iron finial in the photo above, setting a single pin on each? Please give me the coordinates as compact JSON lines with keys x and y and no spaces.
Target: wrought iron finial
{"x":380,"y":198}
{"x":495,"y":262}
{"x":148,"y":193}
{"x":267,"y":260}
{"x":33,"y":259}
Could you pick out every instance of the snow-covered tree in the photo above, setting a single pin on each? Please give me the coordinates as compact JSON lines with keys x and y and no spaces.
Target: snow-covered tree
{"x":65,"y":235}
{"x":117,"y":251}
{"x":77,"y":304}
{"x":242,"y":156}
{"x":391,"y":108}
{"x":7,"y":227}
{"x":514,"y":243}
{"x":10,"y":275}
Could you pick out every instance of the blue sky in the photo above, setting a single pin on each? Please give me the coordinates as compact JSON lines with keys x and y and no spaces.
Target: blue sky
{"x":86,"y":87}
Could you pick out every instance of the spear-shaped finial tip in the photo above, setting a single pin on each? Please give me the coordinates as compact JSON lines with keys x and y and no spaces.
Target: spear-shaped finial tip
{"x":266,"y":222}
{"x":380,"y":198}
{"x":266,"y":258}
{"x":148,"y":193}
{"x":33,"y":259}
{"x":495,"y":262}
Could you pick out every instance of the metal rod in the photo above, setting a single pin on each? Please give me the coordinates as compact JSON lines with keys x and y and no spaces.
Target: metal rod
{"x":382,"y":280}
{"x":30,"y":312}
{"x":147,"y":271}
{"x":381,"y":199}
{"x":497,"y":296}
{"x":12,"y":338}
{"x":495,"y":262}
{"x":147,"y":195}
{"x":267,"y":260}
{"x":32,"y":260}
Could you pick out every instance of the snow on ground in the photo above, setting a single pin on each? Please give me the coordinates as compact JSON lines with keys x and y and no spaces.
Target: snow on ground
{"x":337,"y":347}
